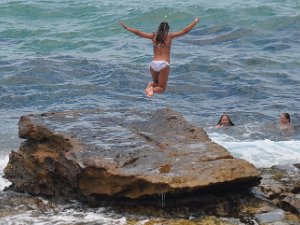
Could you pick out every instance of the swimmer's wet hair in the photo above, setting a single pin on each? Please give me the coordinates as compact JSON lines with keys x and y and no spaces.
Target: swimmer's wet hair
{"x":230,"y":122}
{"x":163,"y":29}
{"x":287,"y":116}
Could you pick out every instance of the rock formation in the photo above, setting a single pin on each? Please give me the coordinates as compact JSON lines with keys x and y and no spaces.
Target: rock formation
{"x":281,"y":185}
{"x":124,"y":153}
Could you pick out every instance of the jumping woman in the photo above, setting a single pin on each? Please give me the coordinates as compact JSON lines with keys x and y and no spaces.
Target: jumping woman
{"x":160,"y":66}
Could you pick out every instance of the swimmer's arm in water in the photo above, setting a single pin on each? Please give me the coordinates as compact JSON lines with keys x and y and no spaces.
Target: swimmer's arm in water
{"x":137,"y":32}
{"x":184,"y":30}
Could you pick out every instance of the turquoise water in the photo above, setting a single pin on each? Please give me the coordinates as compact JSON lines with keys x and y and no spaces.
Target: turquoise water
{"x":58,"y":55}
{"x":243,"y":59}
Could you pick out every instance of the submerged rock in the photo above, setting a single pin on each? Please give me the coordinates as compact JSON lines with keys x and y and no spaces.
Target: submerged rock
{"x":127,"y":153}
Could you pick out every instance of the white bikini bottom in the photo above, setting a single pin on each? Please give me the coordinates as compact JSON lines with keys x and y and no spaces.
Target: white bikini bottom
{"x":158,"y":65}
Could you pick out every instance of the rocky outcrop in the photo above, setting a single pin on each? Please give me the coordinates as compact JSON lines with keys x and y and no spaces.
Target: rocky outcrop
{"x":281,"y":185}
{"x":125,"y":153}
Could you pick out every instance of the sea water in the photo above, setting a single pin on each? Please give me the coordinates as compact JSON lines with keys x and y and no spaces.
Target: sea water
{"x":242,"y":59}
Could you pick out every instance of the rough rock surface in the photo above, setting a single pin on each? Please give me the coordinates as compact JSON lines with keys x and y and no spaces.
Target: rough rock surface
{"x":125,"y":153}
{"x":281,"y":185}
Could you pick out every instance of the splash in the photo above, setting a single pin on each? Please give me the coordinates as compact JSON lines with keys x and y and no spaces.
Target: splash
{"x":3,"y":162}
{"x":262,"y":153}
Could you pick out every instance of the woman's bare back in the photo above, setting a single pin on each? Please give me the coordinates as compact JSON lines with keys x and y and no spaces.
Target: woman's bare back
{"x":162,"y":52}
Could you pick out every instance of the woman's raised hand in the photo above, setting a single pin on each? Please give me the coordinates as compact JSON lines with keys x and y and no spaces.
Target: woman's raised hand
{"x":123,"y":25}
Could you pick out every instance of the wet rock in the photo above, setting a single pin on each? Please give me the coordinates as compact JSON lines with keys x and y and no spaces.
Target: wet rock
{"x":280,"y":184}
{"x":16,"y":204}
{"x":209,"y":220}
{"x":127,"y":153}
{"x":297,"y":165}
{"x":291,"y":203}
{"x":270,"y":217}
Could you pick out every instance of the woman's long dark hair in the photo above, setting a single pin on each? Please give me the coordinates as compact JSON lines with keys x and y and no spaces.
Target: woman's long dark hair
{"x":287,"y":116}
{"x":163,"y":29}
{"x":230,"y":122}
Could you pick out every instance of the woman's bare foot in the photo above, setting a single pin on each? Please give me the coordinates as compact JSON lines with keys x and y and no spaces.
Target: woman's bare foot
{"x":150,"y":92}
{"x":149,"y":89}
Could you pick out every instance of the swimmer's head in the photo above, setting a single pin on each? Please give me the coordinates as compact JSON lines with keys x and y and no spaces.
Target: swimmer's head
{"x":225,"y":121}
{"x":162,"y":31}
{"x":285,"y":118}
{"x":163,"y":27}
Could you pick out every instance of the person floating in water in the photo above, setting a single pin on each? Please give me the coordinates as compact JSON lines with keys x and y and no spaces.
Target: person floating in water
{"x":224,"y":121}
{"x":285,"y":122}
{"x":160,"y":66}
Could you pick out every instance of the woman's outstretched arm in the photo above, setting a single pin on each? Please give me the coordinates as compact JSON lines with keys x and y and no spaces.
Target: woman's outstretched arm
{"x":184,"y":30}
{"x":137,"y":32}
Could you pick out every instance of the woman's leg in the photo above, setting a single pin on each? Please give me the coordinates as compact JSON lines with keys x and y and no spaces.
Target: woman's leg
{"x":149,"y":88}
{"x":155,"y":75}
{"x":161,"y":86}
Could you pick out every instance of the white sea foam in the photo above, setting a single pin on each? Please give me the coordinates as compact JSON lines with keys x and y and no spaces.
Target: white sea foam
{"x":261,"y":153}
{"x":3,"y":162}
{"x":69,"y":216}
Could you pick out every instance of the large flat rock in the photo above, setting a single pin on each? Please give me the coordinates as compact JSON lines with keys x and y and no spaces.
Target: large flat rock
{"x":124,"y":153}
